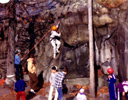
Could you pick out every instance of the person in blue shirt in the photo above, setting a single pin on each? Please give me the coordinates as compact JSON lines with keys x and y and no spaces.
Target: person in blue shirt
{"x":20,"y":88}
{"x":111,"y":80}
{"x":18,"y":64}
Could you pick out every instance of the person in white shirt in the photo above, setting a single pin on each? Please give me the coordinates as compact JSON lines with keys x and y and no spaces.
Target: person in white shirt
{"x":81,"y":95}
{"x":52,"y":84}
{"x":55,"y":40}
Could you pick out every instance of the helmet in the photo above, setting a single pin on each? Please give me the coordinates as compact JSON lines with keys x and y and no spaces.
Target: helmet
{"x":17,"y":51}
{"x":110,"y":70}
{"x":54,"y":28}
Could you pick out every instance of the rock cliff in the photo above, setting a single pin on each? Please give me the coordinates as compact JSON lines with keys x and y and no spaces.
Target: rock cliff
{"x":33,"y":19}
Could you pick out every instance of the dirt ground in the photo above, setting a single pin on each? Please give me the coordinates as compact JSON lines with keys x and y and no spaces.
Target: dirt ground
{"x":9,"y":94}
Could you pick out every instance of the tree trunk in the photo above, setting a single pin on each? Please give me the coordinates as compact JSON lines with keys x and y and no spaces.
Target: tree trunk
{"x":10,"y":58}
{"x":91,"y":50}
{"x":11,"y":46}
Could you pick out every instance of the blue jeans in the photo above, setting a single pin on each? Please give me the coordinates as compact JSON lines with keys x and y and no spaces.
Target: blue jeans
{"x":17,"y":69}
{"x":60,"y":94}
{"x":112,"y":92}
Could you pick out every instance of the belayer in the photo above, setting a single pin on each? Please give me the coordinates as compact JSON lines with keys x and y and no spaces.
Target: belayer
{"x":17,"y":63}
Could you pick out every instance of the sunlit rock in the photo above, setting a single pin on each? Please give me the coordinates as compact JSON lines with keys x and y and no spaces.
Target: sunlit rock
{"x":105,"y":19}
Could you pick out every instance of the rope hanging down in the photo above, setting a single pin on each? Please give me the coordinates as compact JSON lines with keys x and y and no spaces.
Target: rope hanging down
{"x":38,"y":43}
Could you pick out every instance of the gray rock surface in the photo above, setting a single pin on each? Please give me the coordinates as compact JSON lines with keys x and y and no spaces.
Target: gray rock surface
{"x":4,"y":91}
{"x":79,"y":81}
{"x":39,"y":97}
{"x":26,"y":78}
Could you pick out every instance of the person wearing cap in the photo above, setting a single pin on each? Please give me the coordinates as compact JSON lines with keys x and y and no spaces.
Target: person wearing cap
{"x":58,"y":82}
{"x":55,"y":40}
{"x":81,"y":95}
{"x":34,"y":82}
{"x":17,"y":63}
{"x":111,"y":80}
{"x":122,"y":90}
{"x":52,"y":83}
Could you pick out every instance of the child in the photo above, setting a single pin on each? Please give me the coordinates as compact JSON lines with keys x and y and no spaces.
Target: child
{"x":122,"y":89}
{"x":52,"y":84}
{"x":58,"y":82}
{"x":81,"y":95}
{"x":111,"y":79}
{"x":20,"y":88}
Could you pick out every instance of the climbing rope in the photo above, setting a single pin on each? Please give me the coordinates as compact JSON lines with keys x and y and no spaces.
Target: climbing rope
{"x":38,"y":42}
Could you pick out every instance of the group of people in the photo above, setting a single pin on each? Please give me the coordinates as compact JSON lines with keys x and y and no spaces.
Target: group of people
{"x":116,"y":92}
{"x":56,"y":79}
{"x":20,"y":83}
{"x":34,"y":82}
{"x":56,"y":84}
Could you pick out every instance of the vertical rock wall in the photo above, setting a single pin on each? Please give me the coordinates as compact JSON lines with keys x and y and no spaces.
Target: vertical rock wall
{"x":110,"y":33}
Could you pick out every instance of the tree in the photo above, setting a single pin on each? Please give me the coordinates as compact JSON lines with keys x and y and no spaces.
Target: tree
{"x":91,"y":50}
{"x":11,"y":47}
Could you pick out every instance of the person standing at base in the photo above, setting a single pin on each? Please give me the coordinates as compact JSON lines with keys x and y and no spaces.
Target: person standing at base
{"x":52,"y":84}
{"x":18,"y":64}
{"x":34,"y":83}
{"x":58,"y":82}
{"x":112,"y":88}
{"x":81,"y":95}
{"x":20,"y":88}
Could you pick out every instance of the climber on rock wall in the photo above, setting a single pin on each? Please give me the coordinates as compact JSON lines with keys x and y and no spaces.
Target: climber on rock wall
{"x":55,"y":40}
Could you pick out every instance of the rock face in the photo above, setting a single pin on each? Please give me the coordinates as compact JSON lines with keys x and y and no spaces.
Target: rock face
{"x":34,"y":19}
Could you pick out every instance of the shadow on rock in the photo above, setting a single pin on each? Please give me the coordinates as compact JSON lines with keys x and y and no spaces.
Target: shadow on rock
{"x":41,"y":80}
{"x":30,"y":95}
{"x":65,"y":89}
